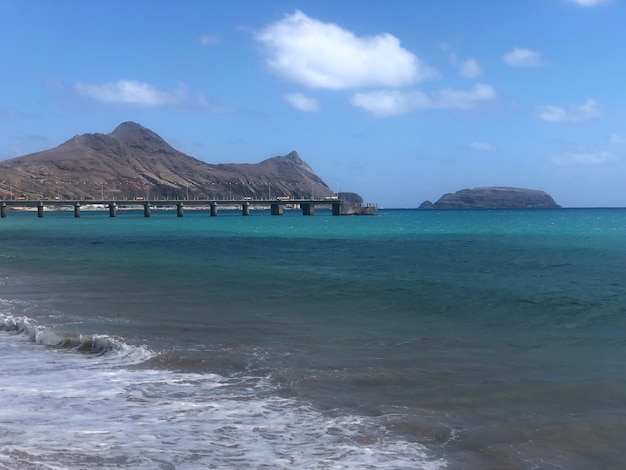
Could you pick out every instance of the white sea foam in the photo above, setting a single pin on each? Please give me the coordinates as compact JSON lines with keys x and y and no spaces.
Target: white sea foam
{"x":69,"y":411}
{"x":113,"y":349}
{"x":19,"y":325}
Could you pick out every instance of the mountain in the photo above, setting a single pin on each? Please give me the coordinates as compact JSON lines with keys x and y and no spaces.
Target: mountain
{"x":133,"y":161}
{"x":497,"y":197}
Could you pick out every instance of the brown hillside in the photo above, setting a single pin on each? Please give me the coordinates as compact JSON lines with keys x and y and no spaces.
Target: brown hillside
{"x":133,"y":161}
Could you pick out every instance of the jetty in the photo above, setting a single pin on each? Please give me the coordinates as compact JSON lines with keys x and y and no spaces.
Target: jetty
{"x":276,"y":207}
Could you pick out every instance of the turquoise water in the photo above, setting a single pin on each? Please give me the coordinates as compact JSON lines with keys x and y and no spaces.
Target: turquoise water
{"x":414,"y":339}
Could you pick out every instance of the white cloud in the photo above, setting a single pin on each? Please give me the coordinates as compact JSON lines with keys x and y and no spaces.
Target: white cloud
{"x":208,"y":39}
{"x":588,"y":3}
{"x":584,"y":112}
{"x":9,"y":112}
{"x":385,"y":103}
{"x":482,"y":146}
{"x":464,"y":98}
{"x":584,"y":157}
{"x":206,"y":104}
{"x":617,"y":139}
{"x":132,"y":92}
{"x":470,"y":69}
{"x":520,"y":57}
{"x":314,"y":54}
{"x":302,"y":102}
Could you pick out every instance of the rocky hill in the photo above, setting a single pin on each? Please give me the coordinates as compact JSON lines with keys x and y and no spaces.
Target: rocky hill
{"x":133,"y":161}
{"x":498,"y":197}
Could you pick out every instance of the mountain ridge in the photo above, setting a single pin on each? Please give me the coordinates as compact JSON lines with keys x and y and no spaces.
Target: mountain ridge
{"x":133,"y":160}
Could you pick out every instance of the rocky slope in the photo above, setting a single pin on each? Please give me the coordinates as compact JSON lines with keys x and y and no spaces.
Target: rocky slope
{"x":133,"y":161}
{"x":498,"y":197}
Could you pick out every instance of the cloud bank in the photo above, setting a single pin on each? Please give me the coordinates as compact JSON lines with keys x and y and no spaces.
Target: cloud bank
{"x":318,"y":55}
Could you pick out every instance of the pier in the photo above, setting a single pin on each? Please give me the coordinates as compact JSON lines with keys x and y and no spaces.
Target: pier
{"x":276,"y":207}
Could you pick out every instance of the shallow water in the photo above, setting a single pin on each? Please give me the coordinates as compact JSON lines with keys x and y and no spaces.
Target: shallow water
{"x":414,"y":339}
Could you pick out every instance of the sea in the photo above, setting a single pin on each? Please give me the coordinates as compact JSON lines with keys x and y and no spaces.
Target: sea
{"x":407,"y":340}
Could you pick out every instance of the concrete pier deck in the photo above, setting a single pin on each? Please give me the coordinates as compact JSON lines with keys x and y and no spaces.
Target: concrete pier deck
{"x":276,"y":206}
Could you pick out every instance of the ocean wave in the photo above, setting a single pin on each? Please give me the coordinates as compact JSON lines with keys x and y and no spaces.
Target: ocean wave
{"x":112,"y":348}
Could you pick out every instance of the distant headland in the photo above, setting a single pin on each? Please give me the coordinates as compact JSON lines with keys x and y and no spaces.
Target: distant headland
{"x":495,"y":197}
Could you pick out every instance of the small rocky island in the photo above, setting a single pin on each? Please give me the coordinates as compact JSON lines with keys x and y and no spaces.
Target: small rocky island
{"x":496,"y":197}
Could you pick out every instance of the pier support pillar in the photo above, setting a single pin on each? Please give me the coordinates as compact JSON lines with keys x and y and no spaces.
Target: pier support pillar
{"x":40,"y":210}
{"x":146,"y":210}
{"x":245,"y":208}
{"x":336,"y":208}
{"x":179,"y":209}
{"x":276,"y":209}
{"x":308,"y":208}
{"x":112,"y":209}
{"x":3,"y":210}
{"x":213,"y":209}
{"x":76,"y":210}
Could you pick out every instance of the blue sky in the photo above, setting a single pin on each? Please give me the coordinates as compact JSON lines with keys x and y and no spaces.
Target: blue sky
{"x":398,"y":100}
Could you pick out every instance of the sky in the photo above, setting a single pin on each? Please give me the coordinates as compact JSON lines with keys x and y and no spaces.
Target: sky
{"x":400,"y":101}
